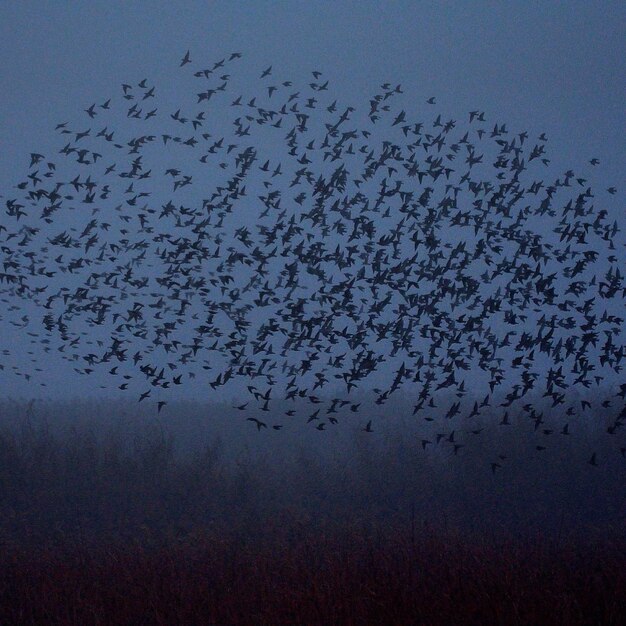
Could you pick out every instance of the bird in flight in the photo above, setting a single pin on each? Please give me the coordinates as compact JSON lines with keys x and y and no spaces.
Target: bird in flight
{"x":272,"y":234}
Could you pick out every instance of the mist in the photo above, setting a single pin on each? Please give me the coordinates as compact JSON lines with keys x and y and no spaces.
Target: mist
{"x":312,"y":314}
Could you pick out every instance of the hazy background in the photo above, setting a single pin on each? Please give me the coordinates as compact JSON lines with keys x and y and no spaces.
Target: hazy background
{"x":424,"y":511}
{"x":556,"y":68}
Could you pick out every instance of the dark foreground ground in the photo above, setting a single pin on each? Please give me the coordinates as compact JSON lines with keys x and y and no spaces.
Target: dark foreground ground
{"x":113,"y":522}
{"x":328,"y":575}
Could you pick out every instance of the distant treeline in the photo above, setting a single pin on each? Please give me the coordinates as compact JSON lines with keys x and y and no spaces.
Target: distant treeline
{"x":110,"y":469}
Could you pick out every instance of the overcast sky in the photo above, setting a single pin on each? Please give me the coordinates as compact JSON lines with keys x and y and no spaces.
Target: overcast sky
{"x":548,"y":67}
{"x":557,"y":66}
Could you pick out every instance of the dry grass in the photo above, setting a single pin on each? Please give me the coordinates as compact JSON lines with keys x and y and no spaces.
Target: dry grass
{"x":99,"y":528}
{"x":331,"y":574}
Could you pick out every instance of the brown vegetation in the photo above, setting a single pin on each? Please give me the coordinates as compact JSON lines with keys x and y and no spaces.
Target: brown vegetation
{"x":105,"y":528}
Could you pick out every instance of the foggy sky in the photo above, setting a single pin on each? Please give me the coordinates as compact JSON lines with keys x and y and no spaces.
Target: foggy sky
{"x":545,"y":67}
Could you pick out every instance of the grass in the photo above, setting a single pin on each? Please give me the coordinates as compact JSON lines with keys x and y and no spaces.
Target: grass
{"x":107,"y":525}
{"x":337,"y":574}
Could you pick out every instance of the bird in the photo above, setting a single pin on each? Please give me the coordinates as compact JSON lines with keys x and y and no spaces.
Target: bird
{"x":290,"y":249}
{"x":259,"y":424}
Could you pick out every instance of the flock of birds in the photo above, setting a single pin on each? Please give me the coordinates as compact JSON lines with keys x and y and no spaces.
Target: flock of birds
{"x":311,"y":248}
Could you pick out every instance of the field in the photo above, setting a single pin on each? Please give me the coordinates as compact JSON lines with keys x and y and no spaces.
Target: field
{"x":113,"y":517}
